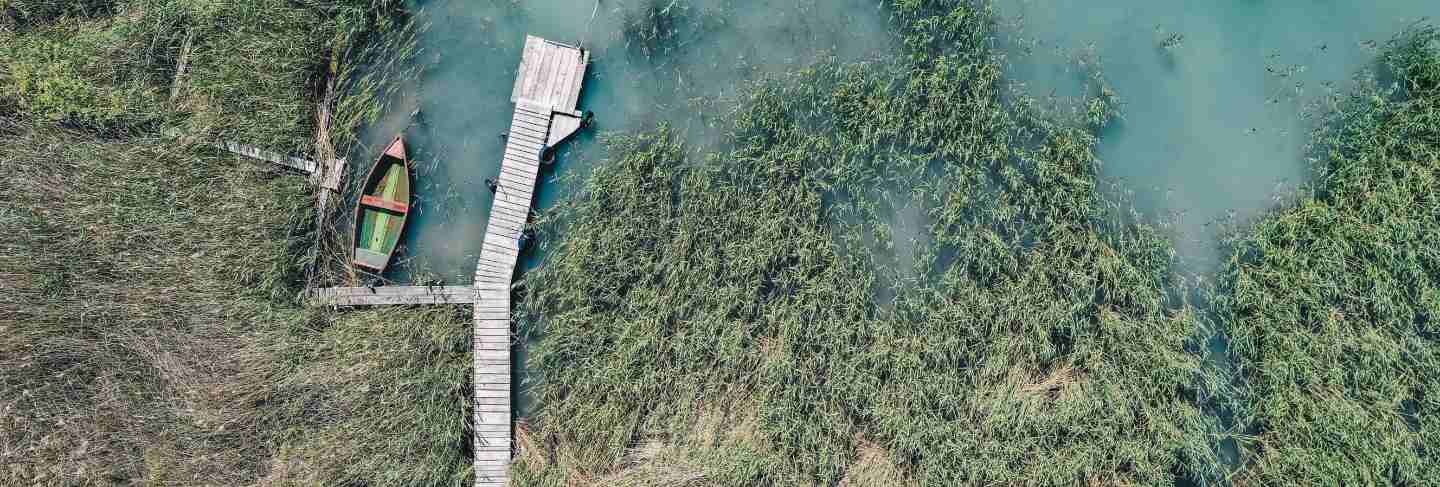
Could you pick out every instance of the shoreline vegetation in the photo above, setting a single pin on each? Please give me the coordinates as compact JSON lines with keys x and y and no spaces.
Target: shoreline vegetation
{"x":891,"y":272}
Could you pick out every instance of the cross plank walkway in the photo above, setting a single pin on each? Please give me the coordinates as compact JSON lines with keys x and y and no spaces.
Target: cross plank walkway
{"x":394,"y":295}
{"x":547,"y":90}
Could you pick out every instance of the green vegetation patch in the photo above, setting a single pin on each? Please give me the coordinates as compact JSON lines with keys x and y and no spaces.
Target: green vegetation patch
{"x":891,"y":274}
{"x":151,"y":333}
{"x":123,"y":358}
{"x":1334,"y":304}
{"x":249,"y":70}
{"x":76,"y":72}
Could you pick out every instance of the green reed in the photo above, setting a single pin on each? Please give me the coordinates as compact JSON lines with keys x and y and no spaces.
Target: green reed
{"x":1331,"y":303}
{"x":1035,"y":344}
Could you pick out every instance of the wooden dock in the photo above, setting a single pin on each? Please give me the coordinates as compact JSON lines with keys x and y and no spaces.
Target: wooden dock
{"x":393,"y":295}
{"x":546,"y":93}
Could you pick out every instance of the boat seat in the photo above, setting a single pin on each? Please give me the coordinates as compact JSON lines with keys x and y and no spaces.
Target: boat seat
{"x":370,"y":259}
{"x":385,"y":204}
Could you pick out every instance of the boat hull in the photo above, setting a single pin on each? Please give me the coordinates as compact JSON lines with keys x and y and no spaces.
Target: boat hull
{"x":383,"y":209}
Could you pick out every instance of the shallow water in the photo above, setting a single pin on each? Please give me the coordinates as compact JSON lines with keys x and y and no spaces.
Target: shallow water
{"x":1217,"y":121}
{"x":1219,"y":98}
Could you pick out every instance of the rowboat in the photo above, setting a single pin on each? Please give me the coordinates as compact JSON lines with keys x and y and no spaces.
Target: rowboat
{"x":384,"y":205}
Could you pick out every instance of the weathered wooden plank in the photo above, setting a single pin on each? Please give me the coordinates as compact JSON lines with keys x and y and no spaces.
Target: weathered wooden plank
{"x":561,"y":78}
{"x":533,"y":73}
{"x":494,"y":401}
{"x":513,"y":209}
{"x":562,"y":89}
{"x":521,"y":161}
{"x":529,"y":127}
{"x":268,"y":156}
{"x":401,"y":295}
{"x":500,"y":268}
{"x":562,"y":126}
{"x":529,"y":63}
{"x":496,"y":260}
{"x":516,"y":180}
{"x":518,"y":199}
{"x":504,"y":224}
{"x":573,"y":97}
{"x":533,"y":83}
{"x":505,"y":338}
{"x":521,"y":196}
{"x":504,"y":246}
{"x":558,"y":66}
{"x":521,"y":166}
{"x":490,"y":369}
{"x":523,"y":149}
{"x":493,"y":456}
{"x":526,"y":138}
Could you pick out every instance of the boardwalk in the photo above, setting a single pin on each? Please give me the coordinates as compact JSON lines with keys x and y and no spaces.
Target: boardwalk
{"x":393,"y":295}
{"x":547,"y":90}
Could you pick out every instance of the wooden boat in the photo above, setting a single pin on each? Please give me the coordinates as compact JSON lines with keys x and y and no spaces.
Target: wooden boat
{"x":384,"y":205}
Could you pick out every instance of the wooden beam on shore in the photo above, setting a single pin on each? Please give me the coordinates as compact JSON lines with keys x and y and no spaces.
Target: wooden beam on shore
{"x":394,"y":295}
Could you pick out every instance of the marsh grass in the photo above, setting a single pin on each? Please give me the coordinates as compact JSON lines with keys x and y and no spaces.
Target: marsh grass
{"x":1331,"y":301}
{"x":153,"y":334}
{"x":1038,"y":347}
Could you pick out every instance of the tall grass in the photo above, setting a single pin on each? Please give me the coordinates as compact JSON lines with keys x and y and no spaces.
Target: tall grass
{"x":1332,"y":303}
{"x":152,"y":333}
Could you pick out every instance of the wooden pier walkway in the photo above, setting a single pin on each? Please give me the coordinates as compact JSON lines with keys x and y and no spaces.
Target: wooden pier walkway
{"x":546,"y":93}
{"x":393,"y":295}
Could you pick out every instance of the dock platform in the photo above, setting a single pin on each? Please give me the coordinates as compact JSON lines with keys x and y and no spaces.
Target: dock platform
{"x":546,"y":94}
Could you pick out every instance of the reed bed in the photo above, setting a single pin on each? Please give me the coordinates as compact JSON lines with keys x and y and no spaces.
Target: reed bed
{"x":1029,"y":338}
{"x":1331,"y":303}
{"x":153,"y":333}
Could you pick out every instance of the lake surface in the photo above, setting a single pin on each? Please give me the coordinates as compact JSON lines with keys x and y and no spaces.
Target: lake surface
{"x":1215,"y":94}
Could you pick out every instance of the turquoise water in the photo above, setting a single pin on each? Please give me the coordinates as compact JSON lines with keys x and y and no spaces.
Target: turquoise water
{"x":1216,"y":119}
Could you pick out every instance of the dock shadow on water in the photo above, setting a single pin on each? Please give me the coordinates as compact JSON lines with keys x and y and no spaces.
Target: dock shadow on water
{"x":672,"y":61}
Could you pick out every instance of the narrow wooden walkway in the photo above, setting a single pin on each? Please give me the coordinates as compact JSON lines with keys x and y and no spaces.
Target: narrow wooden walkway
{"x":547,"y":90}
{"x":393,"y":295}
